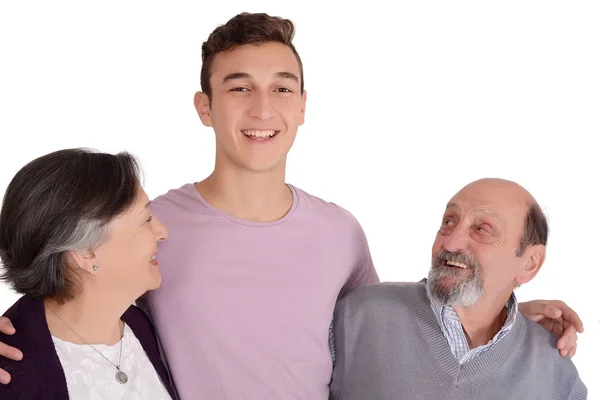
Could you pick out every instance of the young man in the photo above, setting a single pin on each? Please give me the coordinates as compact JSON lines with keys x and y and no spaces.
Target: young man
{"x":253,"y":266}
{"x":460,"y":335}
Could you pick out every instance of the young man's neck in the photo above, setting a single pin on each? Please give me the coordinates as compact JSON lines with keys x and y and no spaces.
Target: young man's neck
{"x":248,"y":195}
{"x":482,"y":321}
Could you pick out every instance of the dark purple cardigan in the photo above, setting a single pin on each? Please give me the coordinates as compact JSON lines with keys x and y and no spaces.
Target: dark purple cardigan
{"x":39,"y":375}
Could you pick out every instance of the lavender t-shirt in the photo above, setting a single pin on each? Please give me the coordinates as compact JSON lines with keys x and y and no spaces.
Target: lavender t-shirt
{"x":244,"y":308}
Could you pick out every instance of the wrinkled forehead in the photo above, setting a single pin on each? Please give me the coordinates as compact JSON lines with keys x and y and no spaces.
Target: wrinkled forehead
{"x":505,"y":203}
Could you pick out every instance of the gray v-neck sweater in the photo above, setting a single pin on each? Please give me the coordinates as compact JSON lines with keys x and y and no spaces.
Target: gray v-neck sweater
{"x":390,"y":346}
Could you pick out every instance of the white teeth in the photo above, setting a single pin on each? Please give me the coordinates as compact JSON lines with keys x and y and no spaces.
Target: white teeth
{"x":259,"y":133}
{"x":152,"y":258}
{"x":457,"y":264}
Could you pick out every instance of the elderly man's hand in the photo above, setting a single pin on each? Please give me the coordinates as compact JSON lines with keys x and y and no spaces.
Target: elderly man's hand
{"x":559,"y":319}
{"x":7,"y":351}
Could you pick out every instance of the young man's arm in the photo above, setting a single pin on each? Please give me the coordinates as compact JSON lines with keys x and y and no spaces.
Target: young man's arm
{"x":559,"y":319}
{"x":363,"y":272}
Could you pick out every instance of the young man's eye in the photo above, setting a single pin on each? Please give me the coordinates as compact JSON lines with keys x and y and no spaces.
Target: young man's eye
{"x":284,"y":90}
{"x":239,"y":89}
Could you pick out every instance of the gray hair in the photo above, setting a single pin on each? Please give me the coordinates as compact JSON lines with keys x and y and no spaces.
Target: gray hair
{"x":60,"y":202}
{"x":536,"y":229}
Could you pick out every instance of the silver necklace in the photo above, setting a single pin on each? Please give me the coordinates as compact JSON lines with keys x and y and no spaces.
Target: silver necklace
{"x":121,"y":376}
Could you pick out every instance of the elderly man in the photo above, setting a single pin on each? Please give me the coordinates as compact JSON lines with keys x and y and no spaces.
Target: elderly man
{"x":459,"y":334}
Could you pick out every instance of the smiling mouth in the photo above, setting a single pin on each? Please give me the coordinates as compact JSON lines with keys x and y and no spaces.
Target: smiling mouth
{"x":260,"y":134}
{"x":456,"y":264}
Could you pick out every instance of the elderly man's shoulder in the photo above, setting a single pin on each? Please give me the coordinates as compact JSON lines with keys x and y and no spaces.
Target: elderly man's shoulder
{"x":381,"y":295}
{"x":541,"y":345}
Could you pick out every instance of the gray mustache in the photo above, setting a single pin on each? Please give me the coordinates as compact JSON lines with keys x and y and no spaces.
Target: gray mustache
{"x":460,"y":256}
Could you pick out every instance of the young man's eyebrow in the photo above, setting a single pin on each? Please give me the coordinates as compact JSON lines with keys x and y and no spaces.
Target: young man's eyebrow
{"x":235,"y":75}
{"x":245,"y":75}
{"x":288,"y":75}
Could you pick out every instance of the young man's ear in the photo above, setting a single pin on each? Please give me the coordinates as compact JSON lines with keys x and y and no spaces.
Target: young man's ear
{"x":202,"y":105}
{"x":303,"y":110}
{"x":535,"y":255}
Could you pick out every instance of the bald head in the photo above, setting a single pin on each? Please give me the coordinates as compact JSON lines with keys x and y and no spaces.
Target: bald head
{"x":514,"y":199}
{"x":501,"y":188}
{"x":492,"y":239}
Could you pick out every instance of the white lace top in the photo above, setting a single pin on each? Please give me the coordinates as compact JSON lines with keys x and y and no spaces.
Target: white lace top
{"x":90,"y":376}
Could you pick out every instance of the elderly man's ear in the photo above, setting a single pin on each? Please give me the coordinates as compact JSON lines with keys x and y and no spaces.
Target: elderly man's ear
{"x":533,"y":259}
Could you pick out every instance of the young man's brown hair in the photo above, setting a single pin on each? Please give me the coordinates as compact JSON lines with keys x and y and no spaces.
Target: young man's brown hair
{"x":246,"y":28}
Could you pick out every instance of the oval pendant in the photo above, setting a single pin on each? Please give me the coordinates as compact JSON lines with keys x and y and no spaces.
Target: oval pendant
{"x":121,"y":377}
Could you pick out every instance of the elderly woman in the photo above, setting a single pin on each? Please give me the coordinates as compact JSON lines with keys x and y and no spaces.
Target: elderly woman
{"x":78,"y":241}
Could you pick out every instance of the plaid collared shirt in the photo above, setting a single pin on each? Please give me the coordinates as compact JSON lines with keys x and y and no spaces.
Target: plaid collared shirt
{"x":453,"y":330}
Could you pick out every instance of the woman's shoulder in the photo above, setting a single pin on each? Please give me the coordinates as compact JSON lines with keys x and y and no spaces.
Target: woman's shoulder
{"x":28,"y":317}
{"x":31,"y":330}
{"x":33,"y":339}
{"x":24,"y":303}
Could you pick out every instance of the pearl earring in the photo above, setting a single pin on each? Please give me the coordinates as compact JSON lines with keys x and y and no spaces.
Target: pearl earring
{"x":95,"y":268}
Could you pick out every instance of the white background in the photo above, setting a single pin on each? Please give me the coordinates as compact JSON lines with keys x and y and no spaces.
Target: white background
{"x":405,"y":106}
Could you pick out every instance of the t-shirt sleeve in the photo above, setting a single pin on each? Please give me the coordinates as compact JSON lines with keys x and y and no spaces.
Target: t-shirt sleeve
{"x":364,"y":272}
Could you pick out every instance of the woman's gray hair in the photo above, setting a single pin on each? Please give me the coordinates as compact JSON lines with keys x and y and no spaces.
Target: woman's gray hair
{"x":60,"y":202}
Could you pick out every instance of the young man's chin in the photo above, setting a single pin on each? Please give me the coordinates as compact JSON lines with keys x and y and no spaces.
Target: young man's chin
{"x":264,"y":164}
{"x":264,"y":168}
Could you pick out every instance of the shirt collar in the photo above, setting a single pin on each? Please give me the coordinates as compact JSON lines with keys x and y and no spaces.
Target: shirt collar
{"x":443,"y":312}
